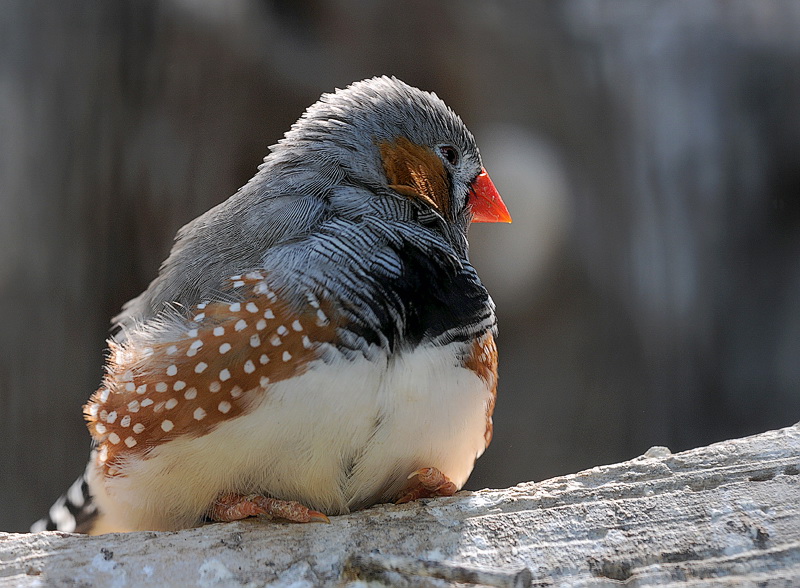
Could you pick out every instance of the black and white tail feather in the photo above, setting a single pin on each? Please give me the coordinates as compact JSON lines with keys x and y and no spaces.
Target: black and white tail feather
{"x":73,"y":512}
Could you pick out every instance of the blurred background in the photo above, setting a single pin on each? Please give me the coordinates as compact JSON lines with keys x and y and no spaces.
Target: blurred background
{"x":648,"y":290}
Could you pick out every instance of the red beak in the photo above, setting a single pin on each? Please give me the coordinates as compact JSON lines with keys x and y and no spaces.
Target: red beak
{"x":485,"y":202}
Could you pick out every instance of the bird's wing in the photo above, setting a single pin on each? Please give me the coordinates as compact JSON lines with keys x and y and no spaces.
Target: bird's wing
{"x":175,"y":378}
{"x":229,"y":239}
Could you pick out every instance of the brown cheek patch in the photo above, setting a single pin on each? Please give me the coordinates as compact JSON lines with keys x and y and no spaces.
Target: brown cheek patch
{"x":416,"y":172}
{"x":482,"y":360}
{"x":224,"y":365}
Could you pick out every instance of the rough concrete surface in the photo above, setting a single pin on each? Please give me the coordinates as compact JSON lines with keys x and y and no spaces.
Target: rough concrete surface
{"x":723,"y":515}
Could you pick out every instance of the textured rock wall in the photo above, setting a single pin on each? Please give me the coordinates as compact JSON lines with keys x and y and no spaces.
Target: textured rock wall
{"x":726,"y":514}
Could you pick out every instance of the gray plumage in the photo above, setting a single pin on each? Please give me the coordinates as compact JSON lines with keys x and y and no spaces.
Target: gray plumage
{"x":327,"y":166}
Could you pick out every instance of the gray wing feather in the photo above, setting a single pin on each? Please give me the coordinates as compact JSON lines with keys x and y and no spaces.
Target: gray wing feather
{"x":230,"y":239}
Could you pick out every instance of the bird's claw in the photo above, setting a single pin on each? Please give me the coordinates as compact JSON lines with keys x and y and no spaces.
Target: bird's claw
{"x":234,"y":507}
{"x":430,"y":482}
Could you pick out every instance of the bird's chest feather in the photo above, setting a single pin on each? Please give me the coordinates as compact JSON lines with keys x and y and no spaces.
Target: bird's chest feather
{"x":341,"y":436}
{"x":394,"y":285}
{"x":349,"y":432}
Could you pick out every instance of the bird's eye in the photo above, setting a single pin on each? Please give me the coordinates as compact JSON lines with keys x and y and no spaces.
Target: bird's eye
{"x":449,"y":153}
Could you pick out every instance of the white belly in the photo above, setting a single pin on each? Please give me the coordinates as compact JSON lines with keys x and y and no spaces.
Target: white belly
{"x":342,"y":436}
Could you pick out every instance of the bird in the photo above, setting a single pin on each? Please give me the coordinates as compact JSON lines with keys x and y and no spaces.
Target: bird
{"x":316,"y":344}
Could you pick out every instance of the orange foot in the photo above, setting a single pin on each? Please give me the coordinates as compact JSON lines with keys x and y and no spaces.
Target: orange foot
{"x":234,"y":507}
{"x":430,"y":482}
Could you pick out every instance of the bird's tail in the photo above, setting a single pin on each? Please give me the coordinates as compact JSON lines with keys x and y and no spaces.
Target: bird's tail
{"x":73,"y":512}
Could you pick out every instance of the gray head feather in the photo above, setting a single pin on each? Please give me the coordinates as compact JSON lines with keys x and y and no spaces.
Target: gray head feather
{"x":327,"y":165}
{"x":344,"y":127}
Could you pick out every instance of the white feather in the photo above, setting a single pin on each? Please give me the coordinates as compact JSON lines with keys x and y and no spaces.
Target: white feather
{"x":342,"y":436}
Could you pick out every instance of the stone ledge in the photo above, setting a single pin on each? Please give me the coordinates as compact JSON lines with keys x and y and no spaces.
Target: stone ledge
{"x":727,"y":514}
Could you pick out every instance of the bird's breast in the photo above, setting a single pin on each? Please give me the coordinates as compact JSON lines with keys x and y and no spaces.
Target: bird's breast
{"x":348,"y":432}
{"x":343,"y":435}
{"x":393,"y":285}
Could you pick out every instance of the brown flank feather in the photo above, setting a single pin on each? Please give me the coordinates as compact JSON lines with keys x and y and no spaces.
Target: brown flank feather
{"x":218,"y":371}
{"x":483,"y":361}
